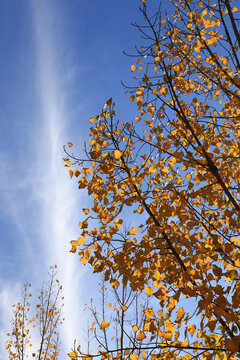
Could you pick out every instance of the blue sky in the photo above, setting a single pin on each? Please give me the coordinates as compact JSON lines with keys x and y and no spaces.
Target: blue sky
{"x":60,"y":60}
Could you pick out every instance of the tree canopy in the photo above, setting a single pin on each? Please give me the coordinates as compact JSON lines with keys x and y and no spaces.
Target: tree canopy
{"x":174,"y":171}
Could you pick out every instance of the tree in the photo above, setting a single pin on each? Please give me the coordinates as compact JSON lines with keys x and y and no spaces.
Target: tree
{"x":47,"y":318}
{"x":175,"y":172}
{"x":115,"y":321}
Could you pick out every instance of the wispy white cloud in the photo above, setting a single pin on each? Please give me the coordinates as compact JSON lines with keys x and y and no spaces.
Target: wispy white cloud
{"x":57,"y":195}
{"x":38,"y":197}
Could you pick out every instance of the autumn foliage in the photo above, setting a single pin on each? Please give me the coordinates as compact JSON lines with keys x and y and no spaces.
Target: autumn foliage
{"x":115,"y":316}
{"x":34,"y":332}
{"x":172,"y":175}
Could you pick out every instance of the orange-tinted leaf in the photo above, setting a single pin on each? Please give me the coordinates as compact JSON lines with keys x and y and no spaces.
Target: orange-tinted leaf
{"x":117,"y":154}
{"x":109,"y":102}
{"x":80,"y":240}
{"x":148,"y":290}
{"x":114,"y":283}
{"x":133,"y":231}
{"x":141,"y":335}
{"x":134,"y":356}
{"x":74,"y":246}
{"x":135,"y":328}
{"x":191,"y":329}
{"x":104,"y":324}
{"x":68,"y":164}
{"x":149,"y":313}
{"x":73,"y":355}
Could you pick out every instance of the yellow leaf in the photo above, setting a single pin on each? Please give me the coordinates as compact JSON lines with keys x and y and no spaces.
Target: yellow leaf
{"x":73,"y":355}
{"x":69,"y":144}
{"x":68,"y":164}
{"x":91,"y":120}
{"x":224,"y":60}
{"x":134,"y":356}
{"x":114,"y":283}
{"x":191,"y":329}
{"x":163,"y":91}
{"x":140,"y":209}
{"x":235,"y":9}
{"x":167,"y":336}
{"x":118,"y":222}
{"x":80,"y":240}
{"x":137,"y":119}
{"x":117,"y":154}
{"x":86,"y":211}
{"x":149,"y":138}
{"x":180,"y":315}
{"x":146,"y":326}
{"x":104,"y":324}
{"x":170,"y":328}
{"x":135,"y":328}
{"x":149,"y":313}
{"x":148,"y":290}
{"x":235,"y":240}
{"x":74,"y":246}
{"x":133,"y":231}
{"x":165,"y":170}
{"x":133,"y":68}
{"x":94,"y":231}
{"x":157,"y":275}
{"x":76,"y":172}
{"x":140,"y":335}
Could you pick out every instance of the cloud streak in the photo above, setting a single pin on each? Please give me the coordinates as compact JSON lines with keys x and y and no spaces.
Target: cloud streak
{"x":57,"y":196}
{"x":38,"y":199}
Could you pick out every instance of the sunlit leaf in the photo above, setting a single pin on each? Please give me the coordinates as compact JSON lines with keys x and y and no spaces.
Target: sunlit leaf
{"x":117,"y":154}
{"x":73,"y":355}
{"x":104,"y":324}
{"x":141,"y":335}
{"x":134,"y":356}
{"x":135,"y":328}
{"x":133,"y":231}
{"x":148,"y":290}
